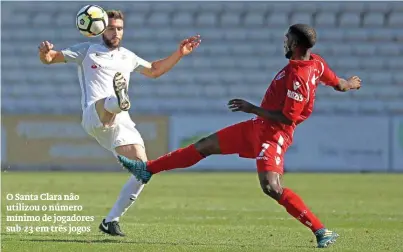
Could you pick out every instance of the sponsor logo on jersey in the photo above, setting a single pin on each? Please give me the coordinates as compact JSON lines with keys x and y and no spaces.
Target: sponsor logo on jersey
{"x":295,"y":96}
{"x":97,"y":66}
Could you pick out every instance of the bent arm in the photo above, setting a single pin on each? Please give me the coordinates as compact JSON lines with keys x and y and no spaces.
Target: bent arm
{"x":162,"y":66}
{"x":329,"y":78}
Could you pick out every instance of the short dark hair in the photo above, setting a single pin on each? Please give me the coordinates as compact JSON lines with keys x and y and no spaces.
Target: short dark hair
{"x":305,"y":34}
{"x":115,"y":14}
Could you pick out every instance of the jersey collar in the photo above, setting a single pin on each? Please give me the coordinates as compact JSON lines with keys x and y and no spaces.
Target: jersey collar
{"x":103,"y":44}
{"x":302,"y":62}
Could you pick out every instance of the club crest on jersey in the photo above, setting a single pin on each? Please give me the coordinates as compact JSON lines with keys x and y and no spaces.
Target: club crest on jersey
{"x":280,"y":75}
{"x":296,"y":85}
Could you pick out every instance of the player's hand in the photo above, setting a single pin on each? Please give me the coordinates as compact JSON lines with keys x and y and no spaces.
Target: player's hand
{"x":188,"y":45}
{"x":354,"y":82}
{"x":45,"y":47}
{"x":240,"y":105}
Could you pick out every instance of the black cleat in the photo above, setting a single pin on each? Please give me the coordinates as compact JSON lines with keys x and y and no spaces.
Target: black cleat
{"x":120,"y":86}
{"x":111,"y":228}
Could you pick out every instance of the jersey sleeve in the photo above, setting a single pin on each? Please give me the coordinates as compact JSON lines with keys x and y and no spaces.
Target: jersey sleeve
{"x":76,"y":53}
{"x":297,"y":95}
{"x":328,"y":77}
{"x":139,"y":64}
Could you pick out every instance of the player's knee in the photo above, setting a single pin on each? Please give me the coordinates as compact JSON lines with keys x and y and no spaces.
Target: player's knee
{"x":132,"y":151}
{"x":208,"y":146}
{"x":104,"y":116}
{"x":272,"y":189}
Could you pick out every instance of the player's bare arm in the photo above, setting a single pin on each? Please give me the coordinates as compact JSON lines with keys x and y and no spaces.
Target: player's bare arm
{"x":241,"y":105}
{"x":345,"y":85}
{"x":49,"y":56}
{"x":162,"y":66}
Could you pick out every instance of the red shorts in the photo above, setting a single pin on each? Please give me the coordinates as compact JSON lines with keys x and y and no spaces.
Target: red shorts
{"x":255,"y":139}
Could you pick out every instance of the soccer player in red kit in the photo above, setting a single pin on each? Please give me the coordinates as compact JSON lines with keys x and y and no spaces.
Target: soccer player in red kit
{"x":288,"y":102}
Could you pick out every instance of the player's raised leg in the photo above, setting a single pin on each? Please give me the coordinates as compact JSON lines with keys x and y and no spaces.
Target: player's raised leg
{"x":108,"y":107}
{"x":230,"y":140}
{"x":129,"y":193}
{"x":270,"y":182}
{"x":181,"y":158}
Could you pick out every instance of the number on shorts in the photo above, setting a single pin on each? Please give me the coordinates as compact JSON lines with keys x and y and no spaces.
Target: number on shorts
{"x":265,"y":146}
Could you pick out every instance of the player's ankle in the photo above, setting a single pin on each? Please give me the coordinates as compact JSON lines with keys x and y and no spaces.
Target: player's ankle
{"x":317,"y":231}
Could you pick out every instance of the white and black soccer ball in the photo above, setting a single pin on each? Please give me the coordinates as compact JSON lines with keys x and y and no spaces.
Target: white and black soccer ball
{"x":91,"y":20}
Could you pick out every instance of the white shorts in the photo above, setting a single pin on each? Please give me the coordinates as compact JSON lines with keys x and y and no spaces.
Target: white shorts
{"x":122,"y":132}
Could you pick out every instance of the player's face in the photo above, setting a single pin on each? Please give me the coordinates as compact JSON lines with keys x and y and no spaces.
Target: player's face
{"x":114,"y":33}
{"x":288,"y":45}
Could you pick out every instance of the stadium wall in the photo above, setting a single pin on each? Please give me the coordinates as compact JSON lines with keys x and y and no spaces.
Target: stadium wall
{"x":58,"y":142}
{"x":321,"y":144}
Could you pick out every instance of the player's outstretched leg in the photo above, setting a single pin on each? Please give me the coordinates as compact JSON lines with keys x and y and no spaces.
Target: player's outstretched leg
{"x":137,"y":168}
{"x":271,"y":185}
{"x":181,"y":158}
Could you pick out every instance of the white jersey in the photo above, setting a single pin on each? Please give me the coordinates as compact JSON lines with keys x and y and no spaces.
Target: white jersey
{"x":97,"y":66}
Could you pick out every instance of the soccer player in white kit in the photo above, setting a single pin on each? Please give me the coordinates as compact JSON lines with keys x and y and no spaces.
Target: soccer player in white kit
{"x":104,"y":72}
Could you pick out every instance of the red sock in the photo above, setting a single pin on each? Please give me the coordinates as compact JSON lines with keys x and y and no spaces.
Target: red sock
{"x":297,"y":208}
{"x":180,"y":158}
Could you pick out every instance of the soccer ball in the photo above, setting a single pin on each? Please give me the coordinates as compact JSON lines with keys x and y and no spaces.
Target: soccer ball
{"x":91,"y":20}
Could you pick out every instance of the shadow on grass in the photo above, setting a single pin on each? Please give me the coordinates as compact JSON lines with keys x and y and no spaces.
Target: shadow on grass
{"x":119,"y":240}
{"x":78,"y":241}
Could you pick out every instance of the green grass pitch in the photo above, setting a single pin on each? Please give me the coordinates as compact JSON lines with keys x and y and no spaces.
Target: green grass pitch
{"x":212,"y":212}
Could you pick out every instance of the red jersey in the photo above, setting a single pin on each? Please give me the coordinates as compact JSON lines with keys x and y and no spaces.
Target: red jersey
{"x":293,"y":90}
